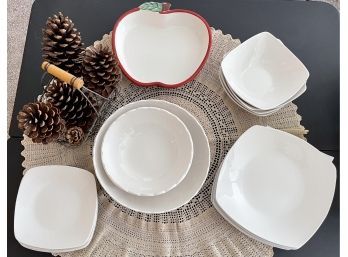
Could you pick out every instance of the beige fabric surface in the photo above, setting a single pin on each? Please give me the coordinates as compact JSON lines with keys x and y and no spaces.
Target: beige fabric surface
{"x":195,"y":229}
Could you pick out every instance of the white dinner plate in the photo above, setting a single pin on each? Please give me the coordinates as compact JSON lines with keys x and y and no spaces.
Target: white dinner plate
{"x":147,"y":151}
{"x":269,"y":185}
{"x":56,"y":208}
{"x":185,"y":190}
{"x":166,"y":48}
{"x":264,"y":72}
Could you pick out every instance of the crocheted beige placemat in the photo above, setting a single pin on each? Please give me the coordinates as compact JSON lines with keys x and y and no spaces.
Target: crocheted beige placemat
{"x":195,"y":229}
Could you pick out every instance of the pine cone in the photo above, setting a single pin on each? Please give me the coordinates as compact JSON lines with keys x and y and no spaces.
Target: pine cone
{"x":100,"y":70}
{"x":41,"y":122}
{"x":62,"y":44}
{"x":74,"y":135}
{"x":74,"y":107}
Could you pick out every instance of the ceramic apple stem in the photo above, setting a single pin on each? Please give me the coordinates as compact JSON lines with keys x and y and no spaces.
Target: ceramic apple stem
{"x":165,"y":6}
{"x":155,"y":6}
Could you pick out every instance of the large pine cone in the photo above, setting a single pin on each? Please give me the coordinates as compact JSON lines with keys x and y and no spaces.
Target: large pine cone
{"x":41,"y":122}
{"x":100,"y":70}
{"x":74,"y":107}
{"x":62,"y":44}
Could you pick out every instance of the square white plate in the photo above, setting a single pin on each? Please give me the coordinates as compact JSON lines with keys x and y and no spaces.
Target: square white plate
{"x":56,"y":208}
{"x":275,"y":187}
{"x":264,"y":72}
{"x":66,"y":249}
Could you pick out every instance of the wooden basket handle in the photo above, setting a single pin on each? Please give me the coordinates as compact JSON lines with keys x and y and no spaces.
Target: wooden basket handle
{"x":62,"y":75}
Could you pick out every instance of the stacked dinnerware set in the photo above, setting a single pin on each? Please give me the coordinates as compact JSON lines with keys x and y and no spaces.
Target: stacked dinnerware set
{"x":269,"y":182}
{"x":56,"y":209}
{"x":153,"y":156}
{"x":262,"y":75}
{"x":275,"y":187}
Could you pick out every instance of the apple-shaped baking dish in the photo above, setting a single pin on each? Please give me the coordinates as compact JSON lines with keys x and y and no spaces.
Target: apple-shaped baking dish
{"x":156,"y":46}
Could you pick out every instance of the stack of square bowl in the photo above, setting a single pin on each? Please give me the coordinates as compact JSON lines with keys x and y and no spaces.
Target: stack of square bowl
{"x":262,"y":75}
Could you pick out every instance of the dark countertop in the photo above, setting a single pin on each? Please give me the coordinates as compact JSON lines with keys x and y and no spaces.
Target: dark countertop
{"x":309,"y":29}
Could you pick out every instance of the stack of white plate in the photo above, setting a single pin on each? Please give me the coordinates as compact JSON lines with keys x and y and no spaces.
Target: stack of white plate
{"x":262,"y":75}
{"x":275,"y":187}
{"x":151,"y":156}
{"x":56,"y":209}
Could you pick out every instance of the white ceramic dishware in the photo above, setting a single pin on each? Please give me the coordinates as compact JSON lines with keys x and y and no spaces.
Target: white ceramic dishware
{"x":159,"y":46}
{"x":147,"y":151}
{"x":269,"y":186}
{"x":66,"y":249}
{"x":56,"y":209}
{"x":251,"y":107}
{"x":184,"y":191}
{"x":246,"y":106}
{"x":264,"y":72}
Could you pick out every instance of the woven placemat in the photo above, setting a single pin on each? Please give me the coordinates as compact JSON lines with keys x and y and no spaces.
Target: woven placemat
{"x":195,"y":229}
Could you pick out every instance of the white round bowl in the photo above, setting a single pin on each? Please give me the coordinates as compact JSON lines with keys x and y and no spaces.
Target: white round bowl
{"x":179,"y":195}
{"x":147,"y":151}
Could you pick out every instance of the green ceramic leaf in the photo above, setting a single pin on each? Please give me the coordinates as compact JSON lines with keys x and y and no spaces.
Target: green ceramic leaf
{"x":151,"y":6}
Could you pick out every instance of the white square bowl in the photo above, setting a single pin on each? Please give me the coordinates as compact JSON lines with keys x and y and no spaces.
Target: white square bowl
{"x":275,"y":187}
{"x":264,"y":72}
{"x":56,"y":208}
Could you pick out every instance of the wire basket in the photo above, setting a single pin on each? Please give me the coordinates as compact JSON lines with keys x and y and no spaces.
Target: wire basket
{"x":97,"y":102}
